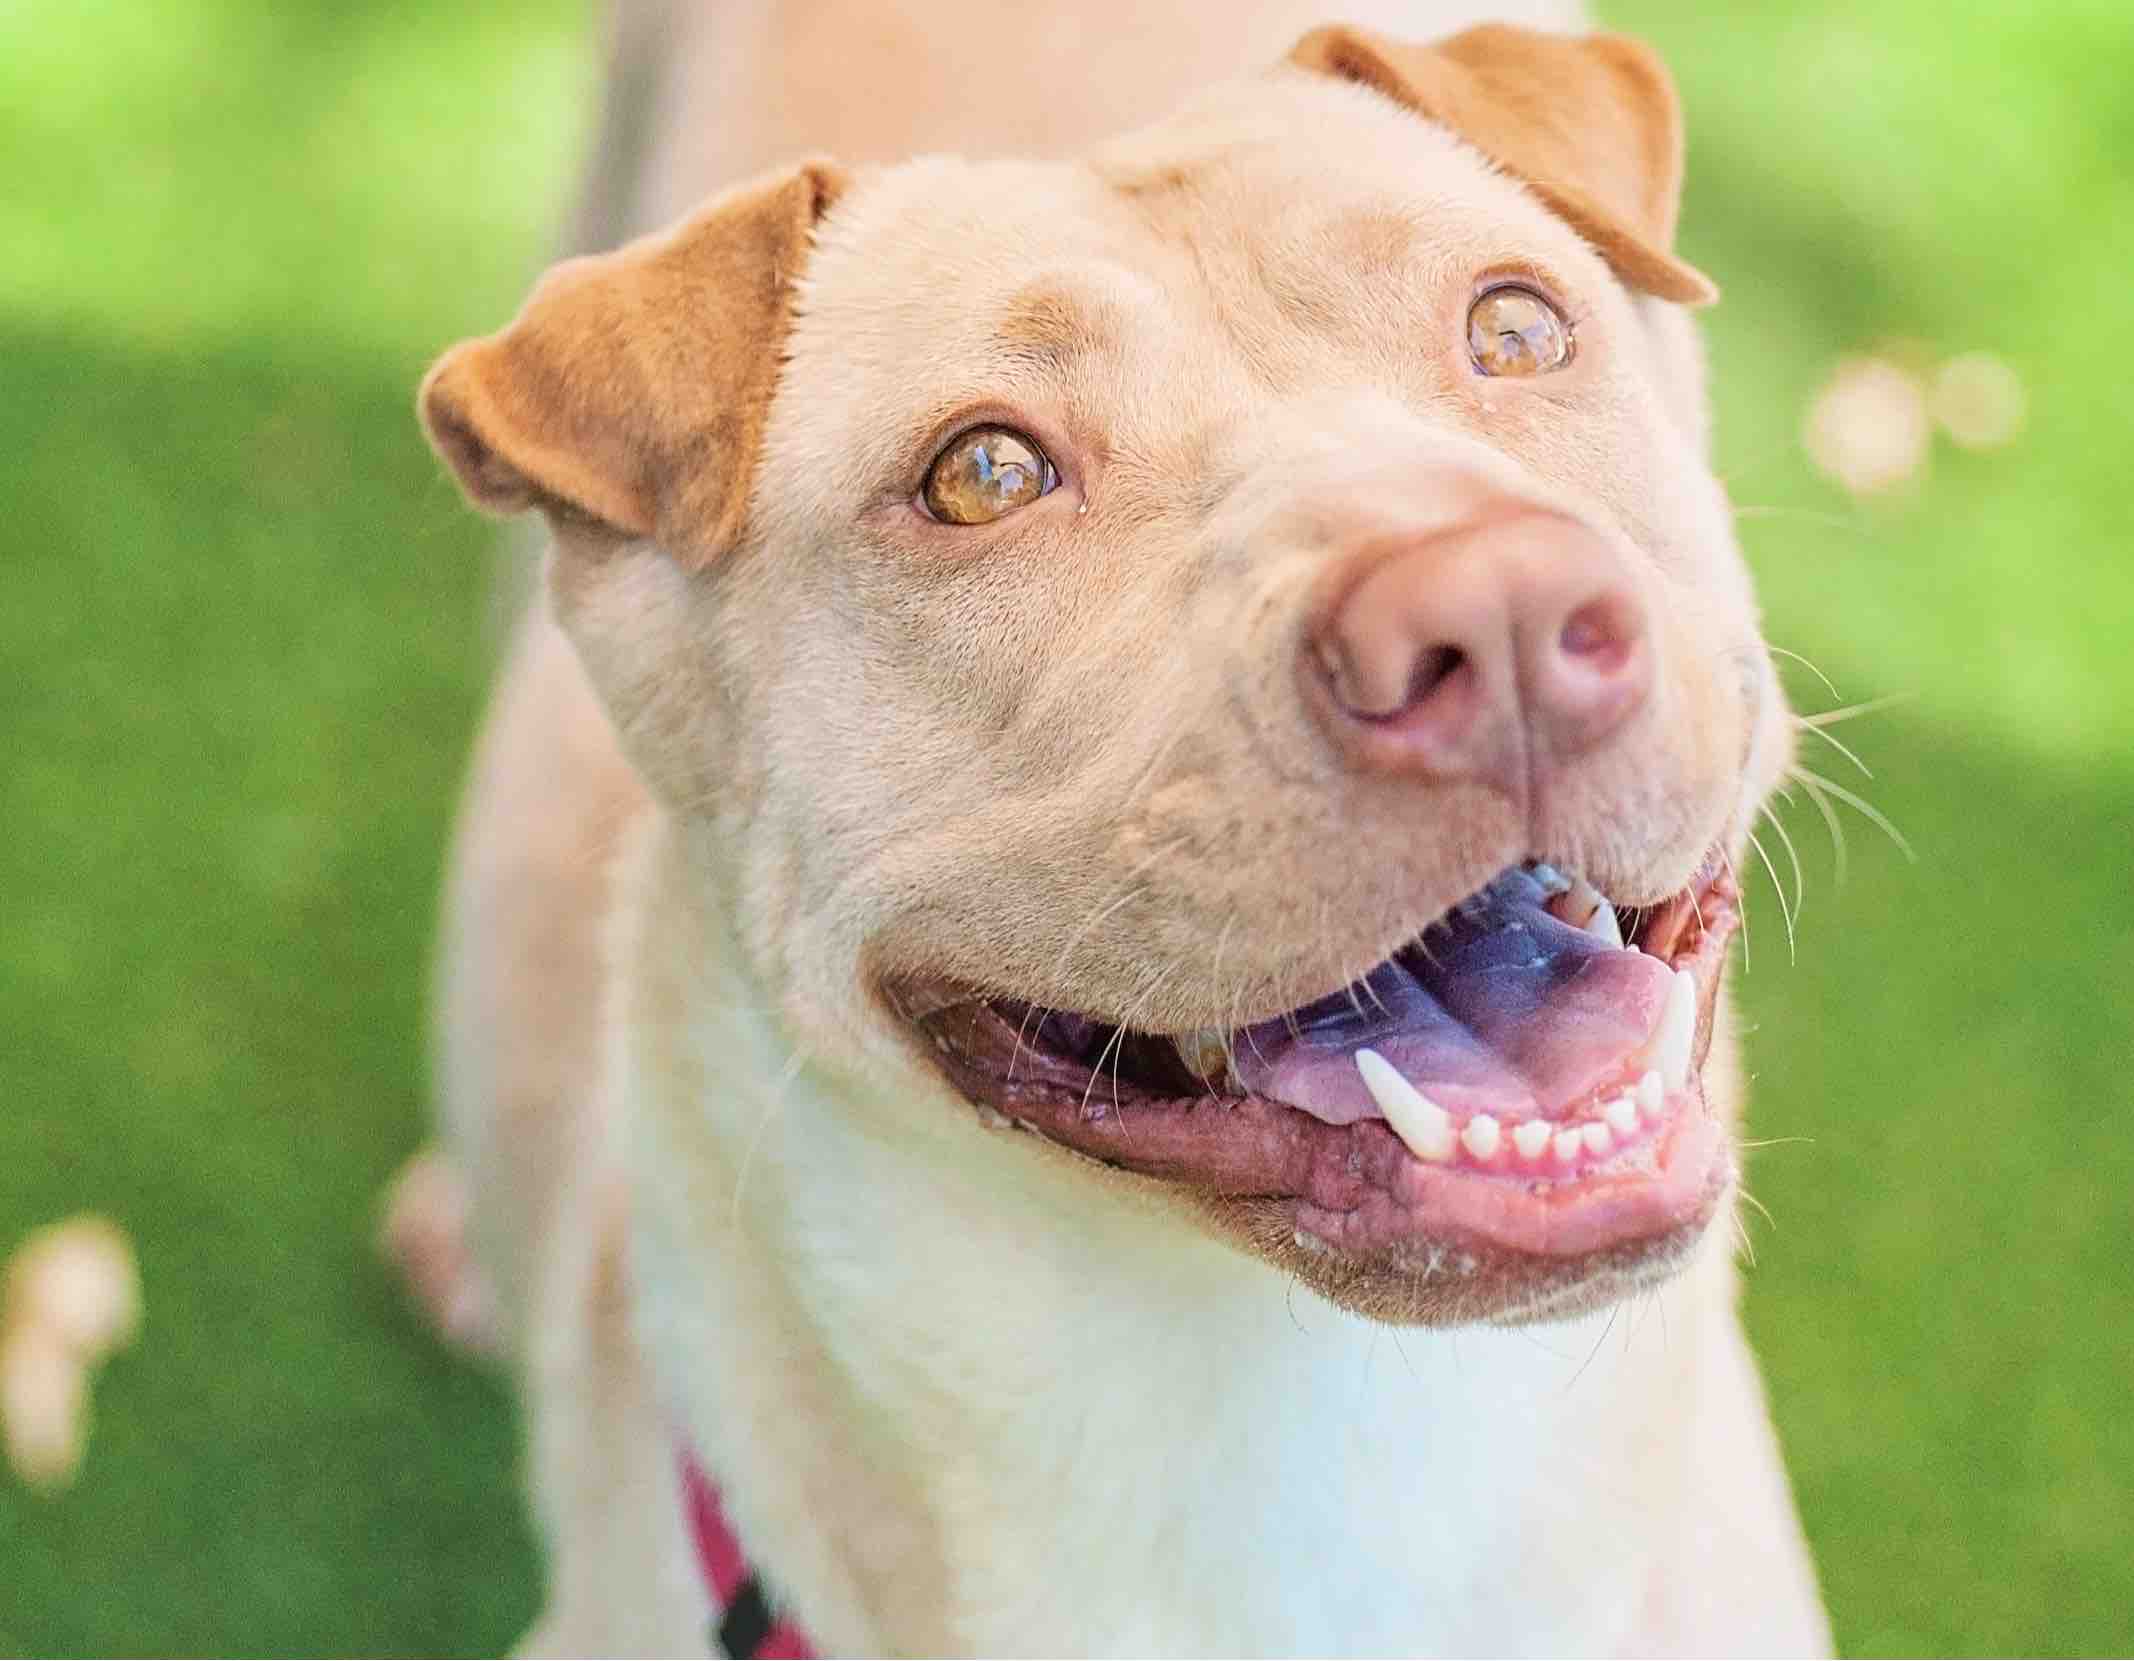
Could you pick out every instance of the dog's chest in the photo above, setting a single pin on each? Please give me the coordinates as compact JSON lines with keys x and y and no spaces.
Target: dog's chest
{"x":1329,"y":1495}
{"x":1026,"y":1434}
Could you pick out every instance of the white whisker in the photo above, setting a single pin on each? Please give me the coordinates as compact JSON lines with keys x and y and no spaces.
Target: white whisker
{"x":1830,"y":821}
{"x":1756,"y":842}
{"x":1860,"y":805}
{"x":1800,"y":882}
{"x":1837,"y":744}
{"x":1828,"y":683}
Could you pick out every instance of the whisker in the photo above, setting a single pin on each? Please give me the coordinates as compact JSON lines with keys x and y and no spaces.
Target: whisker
{"x":1828,"y":683}
{"x":1837,"y":744}
{"x":1756,"y":842}
{"x":1852,"y":712}
{"x":1021,"y":1031}
{"x":777,"y":1104}
{"x":1613,"y":1311}
{"x":1830,"y":822}
{"x":1763,"y":1210}
{"x":1111,"y":1045}
{"x":1734,"y":877}
{"x":1860,"y":805}
{"x":1800,"y":882}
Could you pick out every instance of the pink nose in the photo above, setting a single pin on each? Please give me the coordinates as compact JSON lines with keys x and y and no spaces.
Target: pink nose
{"x":1481,"y":651}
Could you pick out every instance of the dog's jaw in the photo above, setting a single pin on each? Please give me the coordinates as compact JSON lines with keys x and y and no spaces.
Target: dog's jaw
{"x":1396,"y":1206}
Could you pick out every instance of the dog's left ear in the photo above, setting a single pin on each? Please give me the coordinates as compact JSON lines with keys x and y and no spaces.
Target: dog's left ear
{"x":628,"y":398}
{"x":1589,"y":122}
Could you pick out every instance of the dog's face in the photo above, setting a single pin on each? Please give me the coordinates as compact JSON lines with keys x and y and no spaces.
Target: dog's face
{"x":1206,"y":653}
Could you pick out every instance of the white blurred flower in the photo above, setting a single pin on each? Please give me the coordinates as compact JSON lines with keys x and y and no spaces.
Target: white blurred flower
{"x":1979,"y":400}
{"x":1867,"y":429}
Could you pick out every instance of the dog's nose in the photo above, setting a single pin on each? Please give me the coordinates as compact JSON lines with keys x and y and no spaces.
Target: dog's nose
{"x":1478,"y":651}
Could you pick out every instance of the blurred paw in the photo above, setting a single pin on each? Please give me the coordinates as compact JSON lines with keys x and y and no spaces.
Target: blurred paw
{"x":422,"y":1230}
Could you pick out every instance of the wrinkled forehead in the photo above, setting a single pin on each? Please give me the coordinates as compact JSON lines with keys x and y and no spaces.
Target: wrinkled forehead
{"x":1280,"y":234}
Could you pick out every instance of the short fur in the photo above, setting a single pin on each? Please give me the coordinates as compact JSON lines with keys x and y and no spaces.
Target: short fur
{"x":966,"y":1391}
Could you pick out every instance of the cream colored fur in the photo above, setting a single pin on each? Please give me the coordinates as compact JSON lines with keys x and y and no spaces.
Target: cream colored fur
{"x":963,"y":1396}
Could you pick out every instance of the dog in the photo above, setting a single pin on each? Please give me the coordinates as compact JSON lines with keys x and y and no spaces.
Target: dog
{"x":1082,"y":1002}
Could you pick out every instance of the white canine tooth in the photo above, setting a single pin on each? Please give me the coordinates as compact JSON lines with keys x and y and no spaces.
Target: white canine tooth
{"x":1622,"y":1115}
{"x":1603,"y":926}
{"x":1531,"y":1137}
{"x":1668,"y":1048}
{"x":1569,"y":1144}
{"x":1482,"y":1136}
{"x":1652,"y":1094}
{"x":1597,"y":1137}
{"x":1417,"y":1120}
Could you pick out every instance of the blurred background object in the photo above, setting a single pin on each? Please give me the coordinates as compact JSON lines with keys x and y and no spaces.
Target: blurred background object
{"x":71,"y":1296}
{"x":243,"y":651}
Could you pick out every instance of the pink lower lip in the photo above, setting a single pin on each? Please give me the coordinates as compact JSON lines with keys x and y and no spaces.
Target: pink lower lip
{"x":1556,"y":1220}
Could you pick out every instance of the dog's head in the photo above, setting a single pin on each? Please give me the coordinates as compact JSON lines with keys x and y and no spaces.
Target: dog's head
{"x":1226,"y":654}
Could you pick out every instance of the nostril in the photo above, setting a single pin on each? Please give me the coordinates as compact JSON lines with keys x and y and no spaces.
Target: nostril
{"x":1434,"y":666}
{"x":1375,"y":692}
{"x":1600,"y":634}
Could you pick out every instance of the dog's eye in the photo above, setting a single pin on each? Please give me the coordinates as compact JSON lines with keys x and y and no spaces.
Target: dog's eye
{"x":985,"y":473}
{"x":1514,"y":331}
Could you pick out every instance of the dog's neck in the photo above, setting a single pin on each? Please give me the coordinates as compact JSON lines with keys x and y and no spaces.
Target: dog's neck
{"x":958,"y":1392}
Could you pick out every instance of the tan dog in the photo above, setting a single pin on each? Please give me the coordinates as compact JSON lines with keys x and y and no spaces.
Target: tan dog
{"x":1138,"y":699}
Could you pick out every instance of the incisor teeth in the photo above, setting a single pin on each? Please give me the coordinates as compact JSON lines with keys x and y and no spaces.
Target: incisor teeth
{"x":1531,"y":1137}
{"x":1622,"y":1115}
{"x":1597,"y":1137}
{"x":1652,"y":1094}
{"x":1602,"y":925}
{"x":1417,"y":1120}
{"x":1482,"y":1136}
{"x":1569,"y":1144}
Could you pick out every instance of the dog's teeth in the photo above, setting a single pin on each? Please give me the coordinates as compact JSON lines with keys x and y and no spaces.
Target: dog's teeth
{"x":1652,"y":1093}
{"x":1417,"y":1120}
{"x":1580,"y":902}
{"x":1531,"y":1137}
{"x":1569,"y":1145}
{"x":1622,"y":1115}
{"x":1552,"y":880}
{"x":1603,"y":926}
{"x":1597,"y":1137}
{"x":1205,"y":1053}
{"x":1667,"y":1050}
{"x":1482,"y":1136}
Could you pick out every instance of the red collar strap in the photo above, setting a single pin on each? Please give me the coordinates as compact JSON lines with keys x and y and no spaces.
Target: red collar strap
{"x":747,"y":1625}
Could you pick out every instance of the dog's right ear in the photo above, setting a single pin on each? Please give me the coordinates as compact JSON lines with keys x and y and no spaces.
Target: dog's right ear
{"x":630,"y":393}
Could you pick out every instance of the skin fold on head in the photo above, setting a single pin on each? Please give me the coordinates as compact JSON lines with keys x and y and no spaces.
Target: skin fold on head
{"x":1155,"y":590}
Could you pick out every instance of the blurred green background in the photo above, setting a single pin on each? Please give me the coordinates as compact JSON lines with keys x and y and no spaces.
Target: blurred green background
{"x":241,"y":651}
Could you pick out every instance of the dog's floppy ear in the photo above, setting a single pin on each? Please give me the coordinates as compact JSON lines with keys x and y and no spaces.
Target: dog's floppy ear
{"x":1589,"y":122}
{"x":630,"y":392}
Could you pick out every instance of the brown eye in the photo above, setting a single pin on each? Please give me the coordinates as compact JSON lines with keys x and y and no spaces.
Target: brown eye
{"x":1514,"y":331}
{"x":983,"y":474}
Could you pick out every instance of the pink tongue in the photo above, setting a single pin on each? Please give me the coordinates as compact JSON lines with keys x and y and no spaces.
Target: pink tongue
{"x":1502,"y":1009}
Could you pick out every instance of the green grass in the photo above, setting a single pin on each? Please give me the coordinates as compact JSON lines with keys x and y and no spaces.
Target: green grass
{"x":242,"y":652}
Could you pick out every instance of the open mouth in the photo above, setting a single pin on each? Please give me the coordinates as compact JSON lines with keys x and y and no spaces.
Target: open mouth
{"x":1525,"y":1076}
